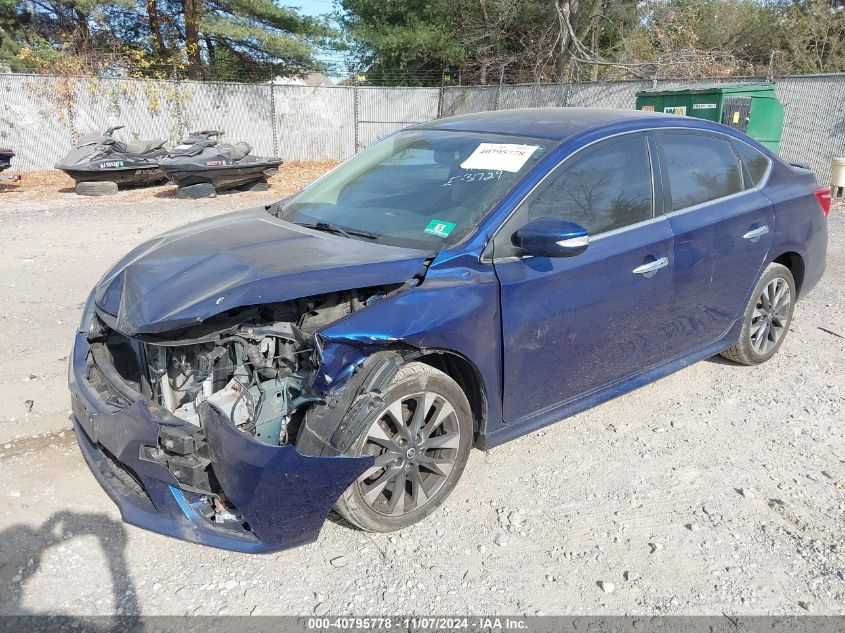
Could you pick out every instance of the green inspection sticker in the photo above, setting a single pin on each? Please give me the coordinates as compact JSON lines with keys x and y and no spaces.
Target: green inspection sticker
{"x":439,"y":228}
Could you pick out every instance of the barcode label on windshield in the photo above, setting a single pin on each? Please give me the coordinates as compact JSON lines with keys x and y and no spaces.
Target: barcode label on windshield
{"x":495,"y":156}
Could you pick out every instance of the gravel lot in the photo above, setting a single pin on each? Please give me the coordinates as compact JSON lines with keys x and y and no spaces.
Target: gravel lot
{"x":719,"y":489}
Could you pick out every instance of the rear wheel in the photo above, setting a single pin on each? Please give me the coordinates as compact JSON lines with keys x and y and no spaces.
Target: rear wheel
{"x":767,"y":317}
{"x":420,"y":440}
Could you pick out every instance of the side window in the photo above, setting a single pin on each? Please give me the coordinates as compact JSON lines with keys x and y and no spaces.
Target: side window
{"x":755,"y":162}
{"x":700,"y":167}
{"x":607,"y":188}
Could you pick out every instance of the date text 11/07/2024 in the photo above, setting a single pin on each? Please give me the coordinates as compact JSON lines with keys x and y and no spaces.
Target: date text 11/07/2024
{"x":419,"y":623}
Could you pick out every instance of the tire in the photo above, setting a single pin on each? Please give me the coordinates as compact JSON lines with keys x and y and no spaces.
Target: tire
{"x":403,"y":462}
{"x":254,"y":185}
{"x":192,"y":192}
{"x":765,"y":324}
{"x":103,"y":188}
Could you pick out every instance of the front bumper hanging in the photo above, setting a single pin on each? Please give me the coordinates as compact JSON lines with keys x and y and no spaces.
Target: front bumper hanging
{"x":282,"y":496}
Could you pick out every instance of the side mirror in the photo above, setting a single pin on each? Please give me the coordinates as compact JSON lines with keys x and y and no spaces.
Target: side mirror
{"x":550,"y":237}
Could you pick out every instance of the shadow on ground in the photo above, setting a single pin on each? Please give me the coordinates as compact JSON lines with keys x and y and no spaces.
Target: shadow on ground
{"x":718,"y":359}
{"x":23,"y":548}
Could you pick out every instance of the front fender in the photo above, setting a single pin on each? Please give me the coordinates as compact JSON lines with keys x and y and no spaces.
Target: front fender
{"x":455,"y":309}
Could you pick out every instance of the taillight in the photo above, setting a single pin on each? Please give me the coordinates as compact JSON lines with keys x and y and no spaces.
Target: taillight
{"x":824,"y":198}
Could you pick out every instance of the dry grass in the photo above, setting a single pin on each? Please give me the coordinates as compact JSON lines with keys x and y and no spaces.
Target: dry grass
{"x":36,"y":185}
{"x":55,"y":185}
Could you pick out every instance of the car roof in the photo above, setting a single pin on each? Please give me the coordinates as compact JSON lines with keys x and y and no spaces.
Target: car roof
{"x":557,"y":123}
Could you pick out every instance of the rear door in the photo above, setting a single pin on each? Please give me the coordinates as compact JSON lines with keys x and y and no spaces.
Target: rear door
{"x":723,"y":227}
{"x":574,"y":325}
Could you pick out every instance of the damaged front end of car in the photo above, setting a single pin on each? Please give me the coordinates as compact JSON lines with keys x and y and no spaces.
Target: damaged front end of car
{"x":192,"y":431}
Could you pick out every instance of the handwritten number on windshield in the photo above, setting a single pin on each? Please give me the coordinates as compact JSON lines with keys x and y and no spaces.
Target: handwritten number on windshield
{"x":474,"y":176}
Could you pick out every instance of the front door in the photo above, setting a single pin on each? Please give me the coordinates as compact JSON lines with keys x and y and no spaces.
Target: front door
{"x":574,"y":325}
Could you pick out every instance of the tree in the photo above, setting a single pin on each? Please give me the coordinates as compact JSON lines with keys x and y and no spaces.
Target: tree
{"x":14,"y":24}
{"x":255,"y":34}
{"x":60,"y":32}
{"x":479,"y":41}
{"x":816,"y":37}
{"x":400,"y":41}
{"x":413,"y":42}
{"x":706,"y":38}
{"x":208,"y":38}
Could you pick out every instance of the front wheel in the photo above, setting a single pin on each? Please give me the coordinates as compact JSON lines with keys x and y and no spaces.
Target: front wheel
{"x":420,"y":441}
{"x":767,"y":317}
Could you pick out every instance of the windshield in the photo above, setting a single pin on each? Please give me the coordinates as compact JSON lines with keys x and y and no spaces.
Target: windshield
{"x":421,"y":188}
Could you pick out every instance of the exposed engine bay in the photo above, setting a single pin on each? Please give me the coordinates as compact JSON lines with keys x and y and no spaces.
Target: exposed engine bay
{"x":255,"y":364}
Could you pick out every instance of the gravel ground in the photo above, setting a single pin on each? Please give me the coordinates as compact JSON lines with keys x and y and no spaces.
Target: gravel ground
{"x":56,"y":246}
{"x":719,"y":489}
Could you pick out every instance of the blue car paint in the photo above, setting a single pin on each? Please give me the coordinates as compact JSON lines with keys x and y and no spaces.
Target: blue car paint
{"x":545,"y":417}
{"x":800,"y":226}
{"x":584,"y":321}
{"x":286,"y":496}
{"x":553,"y":237}
{"x":457,"y":309}
{"x":806,"y":220}
{"x":191,"y":273}
{"x":716,"y":268}
{"x":453,"y":310}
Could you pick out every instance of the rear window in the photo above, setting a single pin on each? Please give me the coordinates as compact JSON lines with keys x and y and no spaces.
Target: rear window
{"x":755,"y":162}
{"x":701,"y":168}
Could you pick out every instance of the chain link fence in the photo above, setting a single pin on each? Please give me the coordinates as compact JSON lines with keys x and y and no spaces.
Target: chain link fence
{"x":42,"y":116}
{"x":381,"y":111}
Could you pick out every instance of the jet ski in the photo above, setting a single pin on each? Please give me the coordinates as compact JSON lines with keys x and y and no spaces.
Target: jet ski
{"x":6,"y":162}
{"x":103,"y":158}
{"x":5,"y":158}
{"x":200,"y":162}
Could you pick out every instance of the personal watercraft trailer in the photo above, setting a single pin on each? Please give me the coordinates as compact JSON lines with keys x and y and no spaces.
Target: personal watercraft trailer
{"x":202,"y":167}
{"x":101,"y":163}
{"x":6,"y":162}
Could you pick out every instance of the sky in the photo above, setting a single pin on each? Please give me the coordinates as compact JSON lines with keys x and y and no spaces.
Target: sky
{"x":318,"y":7}
{"x":313,"y":7}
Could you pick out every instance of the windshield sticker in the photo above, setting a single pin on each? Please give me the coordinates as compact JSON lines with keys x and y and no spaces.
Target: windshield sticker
{"x":499,"y":156}
{"x":439,"y":228}
{"x":475,"y":176}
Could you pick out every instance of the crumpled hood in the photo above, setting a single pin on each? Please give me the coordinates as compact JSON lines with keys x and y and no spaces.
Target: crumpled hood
{"x":244,"y":258}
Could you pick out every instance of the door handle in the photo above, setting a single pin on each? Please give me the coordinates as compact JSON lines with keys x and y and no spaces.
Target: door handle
{"x":756,"y":234}
{"x":650,"y":267}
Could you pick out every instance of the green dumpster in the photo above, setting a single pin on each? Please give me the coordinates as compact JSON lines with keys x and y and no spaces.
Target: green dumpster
{"x":751,"y":108}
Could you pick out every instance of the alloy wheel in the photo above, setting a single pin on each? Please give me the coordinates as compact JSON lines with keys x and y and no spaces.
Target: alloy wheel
{"x":415,"y":441}
{"x":771,"y":315}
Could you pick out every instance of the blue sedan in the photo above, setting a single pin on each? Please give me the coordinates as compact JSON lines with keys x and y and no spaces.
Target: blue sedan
{"x":457,"y":285}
